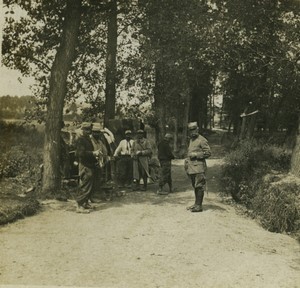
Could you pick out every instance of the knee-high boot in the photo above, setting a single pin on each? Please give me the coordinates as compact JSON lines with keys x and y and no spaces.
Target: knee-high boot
{"x":145,"y":180}
{"x":199,"y":195}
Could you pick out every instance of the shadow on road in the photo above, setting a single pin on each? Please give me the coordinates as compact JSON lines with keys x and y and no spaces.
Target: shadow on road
{"x":183,"y":194}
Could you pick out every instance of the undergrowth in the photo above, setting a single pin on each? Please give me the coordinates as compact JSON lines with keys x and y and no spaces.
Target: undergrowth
{"x":21,"y":150}
{"x":250,"y":176}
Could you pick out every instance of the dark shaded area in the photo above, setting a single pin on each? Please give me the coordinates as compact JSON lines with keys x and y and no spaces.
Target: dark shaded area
{"x":15,"y":207}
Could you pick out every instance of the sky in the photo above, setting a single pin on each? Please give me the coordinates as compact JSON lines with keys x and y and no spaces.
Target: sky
{"x":10,"y":84}
{"x":9,"y":79}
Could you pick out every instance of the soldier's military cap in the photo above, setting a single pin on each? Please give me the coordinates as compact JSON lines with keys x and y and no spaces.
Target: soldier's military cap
{"x":192,"y":125}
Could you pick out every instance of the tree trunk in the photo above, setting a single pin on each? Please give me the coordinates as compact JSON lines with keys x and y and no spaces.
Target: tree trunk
{"x":251,"y":126}
{"x":295,"y":163}
{"x":186,"y":119}
{"x":111,"y":63}
{"x":159,"y":101}
{"x":57,"y":91}
{"x":199,"y":99}
{"x":175,"y":134}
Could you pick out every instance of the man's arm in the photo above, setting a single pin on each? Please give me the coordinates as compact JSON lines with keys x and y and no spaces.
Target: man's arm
{"x":147,"y":151}
{"x":118,"y":150}
{"x":203,"y":154}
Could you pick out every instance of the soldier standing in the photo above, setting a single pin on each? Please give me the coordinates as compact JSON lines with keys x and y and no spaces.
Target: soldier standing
{"x":165,"y":156}
{"x":195,"y":164}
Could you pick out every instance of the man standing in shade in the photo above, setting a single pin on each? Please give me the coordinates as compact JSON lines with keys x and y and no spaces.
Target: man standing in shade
{"x":123,"y":154}
{"x":102,"y":160}
{"x":195,"y":164}
{"x":87,"y":165}
{"x":165,"y":156}
{"x":141,"y":153}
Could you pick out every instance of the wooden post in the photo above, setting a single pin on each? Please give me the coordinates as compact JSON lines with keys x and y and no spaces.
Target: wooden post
{"x":248,"y":125}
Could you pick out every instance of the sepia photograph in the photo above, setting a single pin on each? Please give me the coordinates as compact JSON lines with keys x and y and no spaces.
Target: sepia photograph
{"x":148,"y":144}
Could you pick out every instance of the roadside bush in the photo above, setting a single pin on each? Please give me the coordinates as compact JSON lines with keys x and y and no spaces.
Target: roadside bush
{"x":14,"y":207}
{"x":277,"y":203}
{"x":245,"y":166}
{"x":20,"y":148}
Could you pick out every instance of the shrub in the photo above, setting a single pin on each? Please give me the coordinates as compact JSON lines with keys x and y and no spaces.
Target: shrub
{"x":14,"y":207}
{"x":277,"y":203}
{"x":21,"y":149}
{"x":247,"y":164}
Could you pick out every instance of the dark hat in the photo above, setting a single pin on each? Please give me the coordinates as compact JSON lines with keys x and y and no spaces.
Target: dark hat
{"x":127,"y":132}
{"x":168,"y":136}
{"x":96,"y":127}
{"x":192,"y":125}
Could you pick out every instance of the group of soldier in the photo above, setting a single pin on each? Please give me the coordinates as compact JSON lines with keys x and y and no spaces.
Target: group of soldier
{"x":132,"y":158}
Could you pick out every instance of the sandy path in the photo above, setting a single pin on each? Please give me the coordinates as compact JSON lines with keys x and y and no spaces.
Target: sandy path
{"x":144,"y":240}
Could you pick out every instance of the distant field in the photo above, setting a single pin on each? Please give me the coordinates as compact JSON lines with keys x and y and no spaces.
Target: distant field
{"x":35,"y":124}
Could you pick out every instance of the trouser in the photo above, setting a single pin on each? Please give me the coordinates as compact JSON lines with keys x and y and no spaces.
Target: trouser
{"x":198,"y":182}
{"x":139,"y":173}
{"x":125,"y":169}
{"x":86,"y":184}
{"x":99,"y":180}
{"x":165,"y":173}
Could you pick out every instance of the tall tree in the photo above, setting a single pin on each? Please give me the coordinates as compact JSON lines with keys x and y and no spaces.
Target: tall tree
{"x":111,"y":66}
{"x":48,"y":39}
{"x":57,"y":91}
{"x":258,"y":52}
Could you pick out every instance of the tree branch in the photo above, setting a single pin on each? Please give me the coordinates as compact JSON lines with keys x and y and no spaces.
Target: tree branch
{"x":34,"y":60}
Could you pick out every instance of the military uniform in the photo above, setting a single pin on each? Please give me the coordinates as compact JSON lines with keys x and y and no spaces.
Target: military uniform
{"x":195,"y":165}
{"x":165,"y":156}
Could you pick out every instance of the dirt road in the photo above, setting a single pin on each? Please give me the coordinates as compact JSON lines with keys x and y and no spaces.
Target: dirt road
{"x":145,"y":240}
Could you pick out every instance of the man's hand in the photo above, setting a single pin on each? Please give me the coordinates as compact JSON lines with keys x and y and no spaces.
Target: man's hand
{"x":196,"y":155}
{"x":97,"y":153}
{"x":193,"y":155}
{"x":138,"y":153}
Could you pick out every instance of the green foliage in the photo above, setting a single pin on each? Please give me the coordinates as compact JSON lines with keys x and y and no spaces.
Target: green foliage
{"x":14,"y":107}
{"x":20,"y":147}
{"x":255,"y":175}
{"x":252,"y":44}
{"x":259,"y":59}
{"x":32,"y":38}
{"x":277,"y":203}
{"x":15,"y":207}
{"x":247,"y":164}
